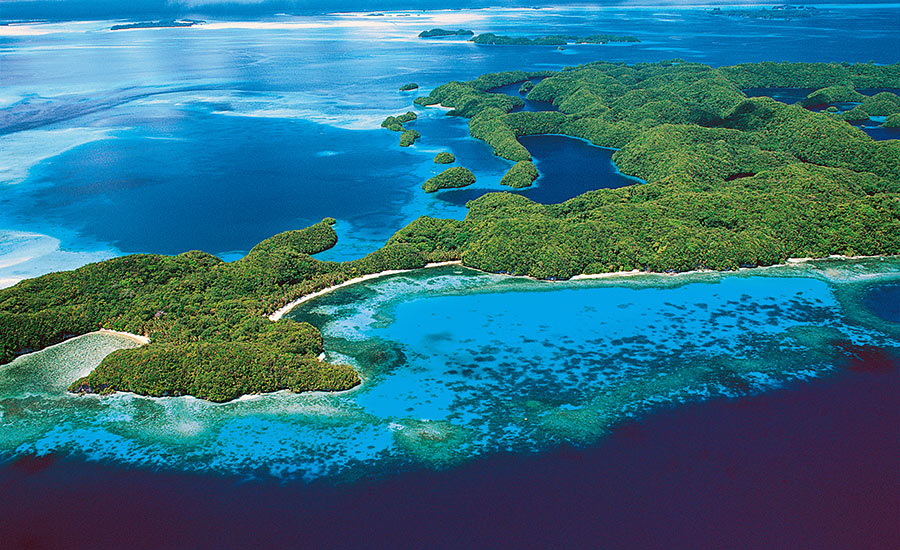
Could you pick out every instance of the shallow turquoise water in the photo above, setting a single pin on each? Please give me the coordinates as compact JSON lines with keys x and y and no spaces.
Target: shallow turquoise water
{"x":458,"y":364}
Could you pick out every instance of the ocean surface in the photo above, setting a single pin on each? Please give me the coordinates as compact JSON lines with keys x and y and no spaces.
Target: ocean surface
{"x":749,"y":409}
{"x":749,"y":397}
{"x":215,"y":137}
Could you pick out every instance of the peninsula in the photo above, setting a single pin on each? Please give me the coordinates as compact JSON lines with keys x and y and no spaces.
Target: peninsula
{"x":731,"y":182}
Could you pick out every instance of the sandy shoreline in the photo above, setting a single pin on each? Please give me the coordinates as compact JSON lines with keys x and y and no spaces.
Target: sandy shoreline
{"x":143,"y":340}
{"x":788,"y":262}
{"x":583,"y":277}
{"x":280,"y":312}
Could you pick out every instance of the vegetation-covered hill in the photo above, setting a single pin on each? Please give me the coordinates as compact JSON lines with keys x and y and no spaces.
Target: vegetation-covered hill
{"x":207,"y":318}
{"x":731,"y":181}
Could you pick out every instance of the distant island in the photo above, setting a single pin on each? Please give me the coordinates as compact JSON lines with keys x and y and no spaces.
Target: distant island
{"x":550,"y":40}
{"x":437,"y":33}
{"x":731,"y":181}
{"x":775,"y":12}
{"x":157,"y":24}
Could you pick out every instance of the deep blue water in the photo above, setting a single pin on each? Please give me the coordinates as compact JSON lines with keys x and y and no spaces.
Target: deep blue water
{"x":809,"y":466}
{"x":872,"y":127}
{"x":878,"y":132}
{"x":253,"y":184}
{"x":532,"y":106}
{"x":568,"y":167}
{"x":757,"y":409}
{"x":784,"y":95}
{"x":884,"y":301}
{"x":793,"y":95}
{"x":142,"y":122}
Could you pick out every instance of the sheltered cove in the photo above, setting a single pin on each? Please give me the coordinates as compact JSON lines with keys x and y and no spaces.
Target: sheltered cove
{"x":731,"y":182}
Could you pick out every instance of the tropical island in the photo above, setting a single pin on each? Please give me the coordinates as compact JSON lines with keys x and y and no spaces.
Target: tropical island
{"x":731,"y":182}
{"x":437,"y":33}
{"x":395,"y":124}
{"x":444,"y":158}
{"x":156,"y":24}
{"x":451,"y":178}
{"x":550,"y":40}
{"x":785,"y":11}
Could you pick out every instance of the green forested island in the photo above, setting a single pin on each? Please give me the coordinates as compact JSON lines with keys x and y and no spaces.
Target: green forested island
{"x":444,"y":158}
{"x":156,"y":24}
{"x":731,"y":181}
{"x":550,"y":40}
{"x":451,"y":178}
{"x":395,"y":123}
{"x":775,"y":12}
{"x":435,"y":33}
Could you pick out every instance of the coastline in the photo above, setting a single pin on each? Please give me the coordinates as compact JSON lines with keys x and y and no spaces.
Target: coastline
{"x":142,"y":340}
{"x":280,"y":312}
{"x":788,"y":262}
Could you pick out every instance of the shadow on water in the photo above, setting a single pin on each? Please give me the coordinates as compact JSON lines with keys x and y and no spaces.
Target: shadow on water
{"x":568,"y":167}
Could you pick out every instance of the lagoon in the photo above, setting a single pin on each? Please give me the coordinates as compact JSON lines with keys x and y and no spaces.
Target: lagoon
{"x":458,"y":365}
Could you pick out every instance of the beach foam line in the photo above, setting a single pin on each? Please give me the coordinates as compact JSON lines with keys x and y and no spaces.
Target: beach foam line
{"x":287,"y":307}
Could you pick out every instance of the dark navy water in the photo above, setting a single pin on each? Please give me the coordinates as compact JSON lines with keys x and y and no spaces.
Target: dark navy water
{"x":884,"y":301}
{"x":568,"y":167}
{"x":873,"y":127}
{"x":530,"y":105}
{"x":878,"y":132}
{"x":784,"y":95}
{"x":253,"y":184}
{"x":809,"y":466}
{"x":794,"y":95}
